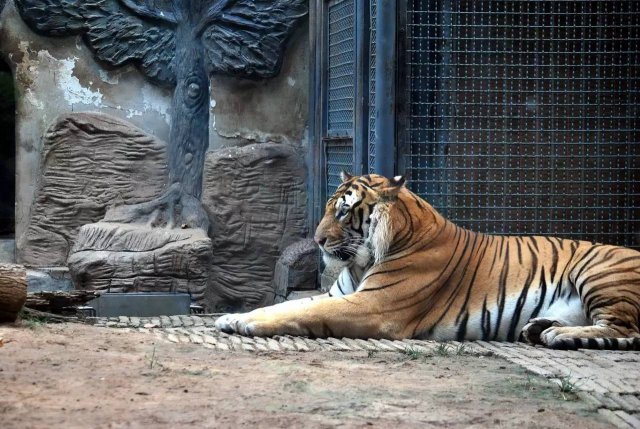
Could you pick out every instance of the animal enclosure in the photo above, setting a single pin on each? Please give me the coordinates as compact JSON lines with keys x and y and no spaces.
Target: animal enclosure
{"x":511,"y":117}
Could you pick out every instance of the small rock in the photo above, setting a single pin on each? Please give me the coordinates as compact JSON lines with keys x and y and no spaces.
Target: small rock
{"x":296,"y":269}
{"x":175,"y":321}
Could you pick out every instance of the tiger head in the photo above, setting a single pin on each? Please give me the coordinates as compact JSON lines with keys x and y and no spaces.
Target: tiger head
{"x":355,"y":227}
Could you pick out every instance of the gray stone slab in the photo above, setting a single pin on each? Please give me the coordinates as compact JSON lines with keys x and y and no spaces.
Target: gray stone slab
{"x":49,"y":279}
{"x":631,"y":420}
{"x":613,"y":418}
{"x":296,"y":269}
{"x":8,"y":250}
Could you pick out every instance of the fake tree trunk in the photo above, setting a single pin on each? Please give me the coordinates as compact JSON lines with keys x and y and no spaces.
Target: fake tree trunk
{"x":190,"y":128}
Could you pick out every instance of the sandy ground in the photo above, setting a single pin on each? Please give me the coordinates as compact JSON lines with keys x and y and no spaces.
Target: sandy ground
{"x":68,"y":376}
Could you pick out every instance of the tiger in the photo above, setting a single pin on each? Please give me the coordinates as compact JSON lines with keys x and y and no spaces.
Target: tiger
{"x":410,"y":273}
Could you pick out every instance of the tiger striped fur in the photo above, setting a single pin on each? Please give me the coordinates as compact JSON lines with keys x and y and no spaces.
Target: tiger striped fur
{"x":410,"y":273}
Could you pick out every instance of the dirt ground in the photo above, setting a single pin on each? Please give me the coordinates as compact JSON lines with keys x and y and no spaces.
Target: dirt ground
{"x":76,"y":376}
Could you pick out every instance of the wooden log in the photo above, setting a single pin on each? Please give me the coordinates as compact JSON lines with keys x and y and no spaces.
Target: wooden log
{"x":59,"y":301}
{"x":13,"y":291}
{"x":46,"y":317}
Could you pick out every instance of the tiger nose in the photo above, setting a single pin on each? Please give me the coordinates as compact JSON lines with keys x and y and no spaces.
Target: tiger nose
{"x":320,"y":240}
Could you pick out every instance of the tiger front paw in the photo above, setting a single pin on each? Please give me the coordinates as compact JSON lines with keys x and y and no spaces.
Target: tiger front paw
{"x":236,"y":323}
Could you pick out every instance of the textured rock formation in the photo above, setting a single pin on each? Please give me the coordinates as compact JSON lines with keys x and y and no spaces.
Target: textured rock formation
{"x":89,"y":162}
{"x":13,"y":291}
{"x":296,"y":269}
{"x":255,"y":197}
{"x":119,"y":257}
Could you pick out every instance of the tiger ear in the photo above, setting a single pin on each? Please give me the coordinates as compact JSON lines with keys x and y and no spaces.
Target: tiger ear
{"x":390,"y":190}
{"x":345,"y":176}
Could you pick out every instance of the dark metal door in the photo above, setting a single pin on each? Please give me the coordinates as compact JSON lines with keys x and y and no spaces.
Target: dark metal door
{"x":344,"y":91}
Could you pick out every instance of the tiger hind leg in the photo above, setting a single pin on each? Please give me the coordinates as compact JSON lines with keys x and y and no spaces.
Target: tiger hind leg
{"x":607,"y":280}
{"x":564,"y":326}
{"x":600,"y":336}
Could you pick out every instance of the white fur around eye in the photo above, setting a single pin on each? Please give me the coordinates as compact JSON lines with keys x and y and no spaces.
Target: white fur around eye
{"x":347,"y":201}
{"x":341,"y":208}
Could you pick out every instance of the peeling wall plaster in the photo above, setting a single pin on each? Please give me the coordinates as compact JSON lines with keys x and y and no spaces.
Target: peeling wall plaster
{"x":73,"y":91}
{"x":151,"y":102}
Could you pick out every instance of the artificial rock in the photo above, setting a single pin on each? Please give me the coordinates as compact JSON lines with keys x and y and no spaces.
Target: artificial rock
{"x":255,"y":196}
{"x":89,"y":162}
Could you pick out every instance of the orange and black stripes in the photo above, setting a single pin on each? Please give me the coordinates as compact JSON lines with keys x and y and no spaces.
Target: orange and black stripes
{"x":438,"y":280}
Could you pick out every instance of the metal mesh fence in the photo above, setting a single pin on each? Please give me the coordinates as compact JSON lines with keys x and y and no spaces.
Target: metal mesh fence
{"x":523,"y":115}
{"x":340,"y":90}
{"x":341,"y":67}
{"x":339,"y":155}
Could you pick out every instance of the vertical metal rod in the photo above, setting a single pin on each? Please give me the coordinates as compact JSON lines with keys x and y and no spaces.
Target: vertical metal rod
{"x":443,"y":103}
{"x":361,"y":88}
{"x":385,"y":105}
{"x":314,"y":154}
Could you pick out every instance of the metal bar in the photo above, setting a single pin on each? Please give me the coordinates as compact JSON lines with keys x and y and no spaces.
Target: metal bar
{"x":314,"y":153}
{"x":361,"y":89}
{"x":403,"y":148}
{"x":371,"y":143}
{"x":323,"y":10}
{"x":385,"y":105}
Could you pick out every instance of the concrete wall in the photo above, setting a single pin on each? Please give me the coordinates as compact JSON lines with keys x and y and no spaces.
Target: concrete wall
{"x":55,"y":76}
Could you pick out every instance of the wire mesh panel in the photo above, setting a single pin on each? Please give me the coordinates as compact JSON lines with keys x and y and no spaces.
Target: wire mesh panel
{"x":340,"y":154}
{"x":341,"y":67}
{"x":340,"y":91}
{"x":373,"y":5}
{"x":524,"y":115}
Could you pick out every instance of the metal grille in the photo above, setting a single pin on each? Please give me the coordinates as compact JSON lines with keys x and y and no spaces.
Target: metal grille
{"x":372,"y":84}
{"x":339,"y":155}
{"x":341,"y":91}
{"x":523,"y":115}
{"x":341,"y":67}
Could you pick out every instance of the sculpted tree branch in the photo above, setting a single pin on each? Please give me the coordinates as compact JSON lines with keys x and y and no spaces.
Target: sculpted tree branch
{"x":162,"y":10}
